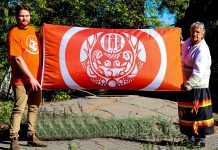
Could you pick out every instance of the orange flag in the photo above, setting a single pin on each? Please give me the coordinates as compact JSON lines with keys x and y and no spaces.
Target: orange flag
{"x":112,"y":59}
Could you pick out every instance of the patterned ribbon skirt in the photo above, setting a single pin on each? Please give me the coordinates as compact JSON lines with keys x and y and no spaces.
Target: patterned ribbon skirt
{"x":195,"y":112}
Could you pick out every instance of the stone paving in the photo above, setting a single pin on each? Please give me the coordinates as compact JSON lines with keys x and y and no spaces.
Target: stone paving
{"x":112,"y":106}
{"x":119,"y":107}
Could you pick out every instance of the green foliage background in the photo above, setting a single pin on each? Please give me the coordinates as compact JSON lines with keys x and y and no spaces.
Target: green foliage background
{"x":114,"y":14}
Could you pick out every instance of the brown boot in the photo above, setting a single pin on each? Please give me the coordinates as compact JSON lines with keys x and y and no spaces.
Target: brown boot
{"x":14,"y":144}
{"x":34,"y":141}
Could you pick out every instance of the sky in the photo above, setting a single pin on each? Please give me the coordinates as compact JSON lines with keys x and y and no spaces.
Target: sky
{"x":165,"y":16}
{"x":168,"y":18}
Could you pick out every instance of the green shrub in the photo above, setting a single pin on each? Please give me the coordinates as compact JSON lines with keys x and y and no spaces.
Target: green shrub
{"x":62,"y":127}
{"x":5,"y":111}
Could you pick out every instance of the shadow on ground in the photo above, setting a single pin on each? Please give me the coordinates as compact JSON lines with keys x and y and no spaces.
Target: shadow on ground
{"x":4,"y":132}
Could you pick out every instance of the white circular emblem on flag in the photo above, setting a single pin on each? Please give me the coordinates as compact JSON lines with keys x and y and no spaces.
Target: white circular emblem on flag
{"x":113,"y":59}
{"x":112,"y":63}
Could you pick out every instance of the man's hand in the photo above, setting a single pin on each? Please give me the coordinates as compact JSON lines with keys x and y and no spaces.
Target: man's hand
{"x":35,"y":84}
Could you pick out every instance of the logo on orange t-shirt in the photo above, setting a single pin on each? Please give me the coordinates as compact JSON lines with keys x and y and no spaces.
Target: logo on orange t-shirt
{"x":32,"y":46}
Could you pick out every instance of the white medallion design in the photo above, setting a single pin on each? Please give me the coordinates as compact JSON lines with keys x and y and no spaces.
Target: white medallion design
{"x":112,"y":65}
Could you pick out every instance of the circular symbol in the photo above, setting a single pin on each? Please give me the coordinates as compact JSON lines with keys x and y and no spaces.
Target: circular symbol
{"x":32,"y":45}
{"x":108,"y":59}
{"x":116,"y":61}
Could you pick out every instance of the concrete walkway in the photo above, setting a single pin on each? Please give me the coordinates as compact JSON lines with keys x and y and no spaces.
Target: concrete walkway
{"x":117,"y":106}
{"x":111,"y":106}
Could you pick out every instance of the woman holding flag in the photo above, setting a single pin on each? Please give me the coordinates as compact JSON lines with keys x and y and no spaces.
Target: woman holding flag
{"x":195,"y":111}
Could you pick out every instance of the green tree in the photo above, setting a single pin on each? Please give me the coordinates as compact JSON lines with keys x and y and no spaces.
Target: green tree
{"x":6,"y":23}
{"x":177,"y":7}
{"x":102,"y":14}
{"x":83,"y":13}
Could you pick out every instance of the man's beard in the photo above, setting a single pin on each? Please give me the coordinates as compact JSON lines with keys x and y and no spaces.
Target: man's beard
{"x":23,"y":24}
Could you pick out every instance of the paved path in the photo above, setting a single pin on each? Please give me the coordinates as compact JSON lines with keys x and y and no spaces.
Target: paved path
{"x":111,"y":106}
{"x":117,"y":106}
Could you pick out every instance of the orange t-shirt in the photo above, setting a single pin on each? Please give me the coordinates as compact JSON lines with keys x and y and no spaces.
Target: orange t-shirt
{"x":24,"y":43}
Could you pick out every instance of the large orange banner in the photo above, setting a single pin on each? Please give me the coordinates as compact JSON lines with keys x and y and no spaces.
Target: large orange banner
{"x":112,"y":59}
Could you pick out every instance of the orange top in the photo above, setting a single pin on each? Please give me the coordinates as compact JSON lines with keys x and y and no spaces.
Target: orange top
{"x":24,"y":43}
